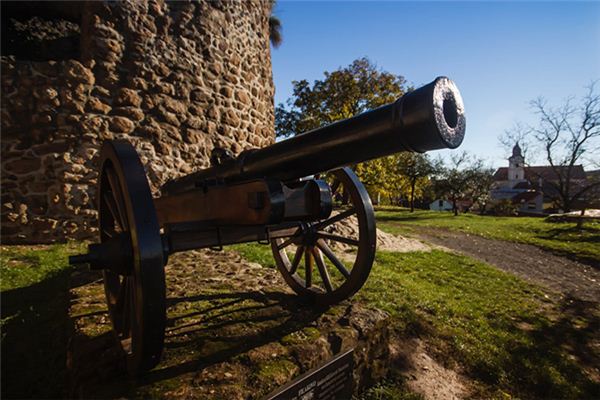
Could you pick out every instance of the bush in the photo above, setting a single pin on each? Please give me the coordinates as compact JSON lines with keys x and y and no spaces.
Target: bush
{"x":504,"y":207}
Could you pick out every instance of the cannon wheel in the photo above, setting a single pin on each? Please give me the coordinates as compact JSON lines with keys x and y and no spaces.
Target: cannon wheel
{"x":136,"y":298}
{"x":326,"y":277}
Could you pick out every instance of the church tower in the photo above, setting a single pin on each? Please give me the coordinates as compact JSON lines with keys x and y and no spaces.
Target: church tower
{"x":516,"y":164}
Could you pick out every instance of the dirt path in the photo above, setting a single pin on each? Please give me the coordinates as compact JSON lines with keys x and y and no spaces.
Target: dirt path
{"x":565,"y":276}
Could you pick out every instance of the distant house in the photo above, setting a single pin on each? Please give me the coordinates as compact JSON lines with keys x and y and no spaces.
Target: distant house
{"x":440,"y":205}
{"x":529,"y":187}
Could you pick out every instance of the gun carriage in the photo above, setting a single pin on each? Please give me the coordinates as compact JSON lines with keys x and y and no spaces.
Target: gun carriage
{"x":262,"y":195}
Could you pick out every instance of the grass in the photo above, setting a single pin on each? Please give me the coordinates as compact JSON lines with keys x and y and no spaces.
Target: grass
{"x":255,"y":252}
{"x":510,"y":337}
{"x":503,"y":331}
{"x":563,"y":238}
{"x":35,"y":300}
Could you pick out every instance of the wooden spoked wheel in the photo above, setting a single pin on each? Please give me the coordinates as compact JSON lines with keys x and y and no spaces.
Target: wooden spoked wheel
{"x":135,"y":292}
{"x":328,"y":261}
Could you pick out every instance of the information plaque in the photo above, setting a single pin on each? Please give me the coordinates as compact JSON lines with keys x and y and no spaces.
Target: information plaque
{"x":331,"y":381}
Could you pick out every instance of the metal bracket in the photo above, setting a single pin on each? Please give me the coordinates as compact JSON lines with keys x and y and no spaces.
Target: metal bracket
{"x":267,"y":240}
{"x":219,"y":246}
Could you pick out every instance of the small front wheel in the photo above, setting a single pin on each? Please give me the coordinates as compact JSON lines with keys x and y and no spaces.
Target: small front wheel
{"x":330,"y":260}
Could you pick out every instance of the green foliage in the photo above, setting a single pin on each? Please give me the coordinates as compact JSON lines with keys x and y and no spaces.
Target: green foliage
{"x":504,"y":207}
{"x":342,"y":94}
{"x":416,"y":169}
{"x":502,"y":330}
{"x":563,"y":238}
{"x":275,"y":35}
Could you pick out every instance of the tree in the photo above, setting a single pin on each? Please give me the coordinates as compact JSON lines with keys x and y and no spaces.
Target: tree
{"x":415,"y":168}
{"x":343,"y":93}
{"x":275,"y":35}
{"x":564,"y":136}
{"x":454,"y":181}
{"x":482,"y":180}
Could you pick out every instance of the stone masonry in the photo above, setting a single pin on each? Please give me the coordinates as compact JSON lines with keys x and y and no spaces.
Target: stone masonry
{"x":175,"y":79}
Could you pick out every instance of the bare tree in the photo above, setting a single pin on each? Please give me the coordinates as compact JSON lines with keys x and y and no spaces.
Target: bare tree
{"x":565,"y":136}
{"x":455,"y":179}
{"x":482,"y":180}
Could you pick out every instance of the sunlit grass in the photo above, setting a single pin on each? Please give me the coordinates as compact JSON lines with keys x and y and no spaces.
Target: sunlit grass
{"x":564,"y":238}
{"x":505,"y":332}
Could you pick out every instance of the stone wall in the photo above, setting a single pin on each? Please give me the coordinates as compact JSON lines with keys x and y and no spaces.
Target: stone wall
{"x":175,"y":79}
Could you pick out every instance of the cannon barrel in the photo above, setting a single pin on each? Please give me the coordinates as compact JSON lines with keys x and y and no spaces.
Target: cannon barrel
{"x":429,"y":118}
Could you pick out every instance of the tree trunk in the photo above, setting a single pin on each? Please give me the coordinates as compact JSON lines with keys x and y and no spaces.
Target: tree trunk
{"x":454,"y":208}
{"x":580,"y":219}
{"x":412,"y":196}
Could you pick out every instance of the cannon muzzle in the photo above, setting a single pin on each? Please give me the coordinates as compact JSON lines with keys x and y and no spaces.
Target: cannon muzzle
{"x":429,"y":118}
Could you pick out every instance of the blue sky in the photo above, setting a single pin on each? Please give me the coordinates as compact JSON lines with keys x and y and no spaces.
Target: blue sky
{"x":501,"y":54}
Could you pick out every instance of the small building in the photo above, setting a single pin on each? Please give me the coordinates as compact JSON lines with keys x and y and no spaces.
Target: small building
{"x":440,"y":205}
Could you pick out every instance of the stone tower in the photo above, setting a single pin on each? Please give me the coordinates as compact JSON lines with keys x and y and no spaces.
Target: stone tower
{"x":175,"y":79}
{"x":516,"y":165}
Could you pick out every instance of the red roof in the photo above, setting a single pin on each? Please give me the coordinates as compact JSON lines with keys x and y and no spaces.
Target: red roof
{"x":544,"y":172}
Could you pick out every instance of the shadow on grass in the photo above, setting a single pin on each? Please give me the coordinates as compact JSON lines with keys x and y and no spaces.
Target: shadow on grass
{"x":217,"y":327}
{"x":557,"y":357}
{"x":34,"y":339}
{"x":568,"y":232}
{"x":35,"y":326}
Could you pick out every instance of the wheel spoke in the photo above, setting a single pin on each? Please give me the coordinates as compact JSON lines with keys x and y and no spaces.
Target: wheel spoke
{"x":337,"y":238}
{"x":335,"y":218}
{"x":335,"y":186}
{"x":308,"y":267}
{"x":112,"y":208}
{"x":121,"y":296}
{"x":331,"y":256}
{"x":286,"y":243}
{"x":297,"y":258}
{"x":322,"y":269}
{"x":126,"y":308}
{"x":117,"y":196}
{"x":110,"y":233}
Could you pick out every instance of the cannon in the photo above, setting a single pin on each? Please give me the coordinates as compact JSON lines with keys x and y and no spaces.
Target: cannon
{"x":293,"y":195}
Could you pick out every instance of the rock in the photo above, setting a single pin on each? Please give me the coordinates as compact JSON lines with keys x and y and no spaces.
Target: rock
{"x":133,"y":113}
{"x":231,"y":118}
{"x":23,"y":166}
{"x":75,"y":72}
{"x":242,"y":97}
{"x":128,"y":97}
{"x":95,"y":105}
{"x":121,"y":125}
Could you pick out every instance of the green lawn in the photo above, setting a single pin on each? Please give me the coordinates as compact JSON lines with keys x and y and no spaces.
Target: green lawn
{"x":562,"y":238}
{"x":505,"y":334}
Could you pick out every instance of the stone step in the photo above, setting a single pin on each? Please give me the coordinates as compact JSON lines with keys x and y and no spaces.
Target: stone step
{"x":235,"y":331}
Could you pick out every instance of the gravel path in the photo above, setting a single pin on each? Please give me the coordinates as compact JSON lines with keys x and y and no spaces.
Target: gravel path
{"x":568,"y":277}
